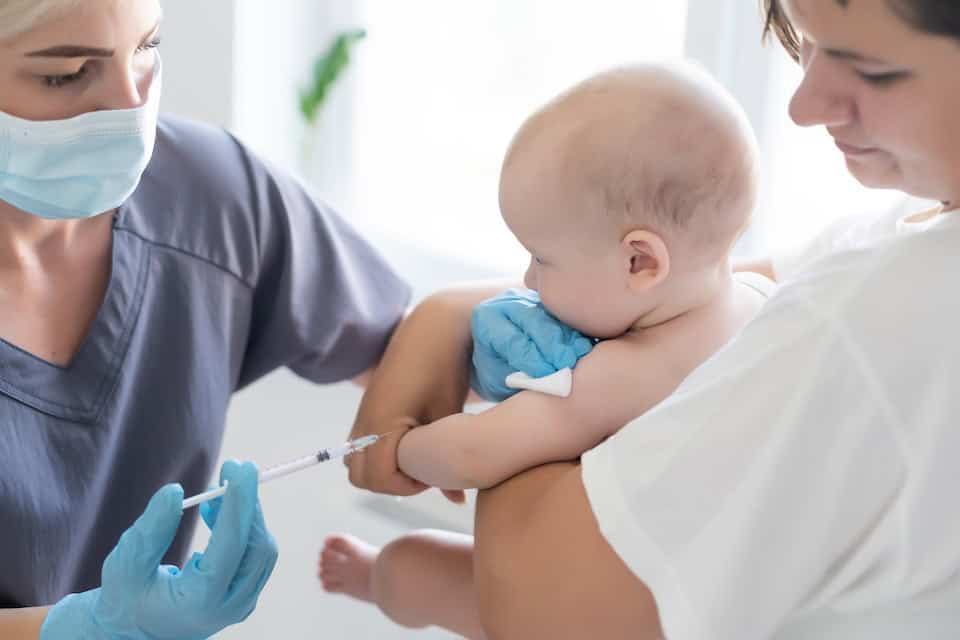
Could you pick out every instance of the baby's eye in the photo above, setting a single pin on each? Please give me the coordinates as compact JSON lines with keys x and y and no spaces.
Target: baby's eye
{"x":537,"y":260}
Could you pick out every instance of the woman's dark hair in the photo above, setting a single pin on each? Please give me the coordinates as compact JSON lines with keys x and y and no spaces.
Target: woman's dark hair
{"x":937,"y":17}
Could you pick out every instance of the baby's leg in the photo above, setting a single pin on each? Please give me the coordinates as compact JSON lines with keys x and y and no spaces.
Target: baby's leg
{"x":420,"y":579}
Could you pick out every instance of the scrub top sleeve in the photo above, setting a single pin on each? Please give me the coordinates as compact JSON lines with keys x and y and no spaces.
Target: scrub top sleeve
{"x":766,"y":484}
{"x":325,"y":302}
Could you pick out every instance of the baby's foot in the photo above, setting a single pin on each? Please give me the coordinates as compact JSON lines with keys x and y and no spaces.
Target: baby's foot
{"x":345,"y":566}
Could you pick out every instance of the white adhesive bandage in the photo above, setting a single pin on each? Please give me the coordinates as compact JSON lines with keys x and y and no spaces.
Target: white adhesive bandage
{"x":556,"y":384}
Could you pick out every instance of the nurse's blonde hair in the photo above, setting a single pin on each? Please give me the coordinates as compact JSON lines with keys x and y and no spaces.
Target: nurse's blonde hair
{"x":19,"y":16}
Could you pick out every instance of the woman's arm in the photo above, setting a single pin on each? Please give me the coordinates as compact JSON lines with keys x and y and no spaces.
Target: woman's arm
{"x":364,"y":378}
{"x":533,"y":583}
{"x":22,"y":624}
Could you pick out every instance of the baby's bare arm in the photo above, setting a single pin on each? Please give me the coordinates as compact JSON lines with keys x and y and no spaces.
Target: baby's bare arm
{"x":618,"y":381}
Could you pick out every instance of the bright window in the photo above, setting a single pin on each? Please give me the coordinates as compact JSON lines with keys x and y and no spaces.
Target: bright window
{"x":442,"y":86}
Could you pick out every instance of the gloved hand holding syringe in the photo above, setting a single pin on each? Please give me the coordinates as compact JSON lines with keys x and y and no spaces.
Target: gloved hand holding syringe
{"x":293,"y":466}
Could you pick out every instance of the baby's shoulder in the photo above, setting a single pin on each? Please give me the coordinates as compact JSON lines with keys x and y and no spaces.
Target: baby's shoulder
{"x":619,"y":380}
{"x":635,"y":370}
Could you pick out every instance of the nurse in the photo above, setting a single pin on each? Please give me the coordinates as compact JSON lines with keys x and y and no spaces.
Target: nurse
{"x":149,"y":267}
{"x":801,"y":483}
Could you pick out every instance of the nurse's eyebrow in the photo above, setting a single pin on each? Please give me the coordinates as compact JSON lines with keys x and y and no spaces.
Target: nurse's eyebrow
{"x":77,"y":51}
{"x":71,"y":51}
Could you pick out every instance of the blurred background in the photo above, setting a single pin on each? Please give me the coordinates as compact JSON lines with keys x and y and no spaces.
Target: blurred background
{"x":407,"y":145}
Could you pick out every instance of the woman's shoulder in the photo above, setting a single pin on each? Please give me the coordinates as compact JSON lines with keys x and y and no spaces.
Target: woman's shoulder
{"x":898,"y":290}
{"x":206,"y":195}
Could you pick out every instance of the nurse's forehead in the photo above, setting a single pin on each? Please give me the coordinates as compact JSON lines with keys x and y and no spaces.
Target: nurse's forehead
{"x":92,"y":27}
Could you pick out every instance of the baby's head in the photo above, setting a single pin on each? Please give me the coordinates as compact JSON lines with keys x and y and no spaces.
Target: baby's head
{"x":629,"y":191}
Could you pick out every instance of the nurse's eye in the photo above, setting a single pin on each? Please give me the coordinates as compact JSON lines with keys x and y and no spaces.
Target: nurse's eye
{"x":59,"y":81}
{"x":882,"y":79}
{"x":146,"y":46}
{"x":538,"y":260}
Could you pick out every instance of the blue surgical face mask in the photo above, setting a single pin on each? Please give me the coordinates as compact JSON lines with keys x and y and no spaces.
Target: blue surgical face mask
{"x":78,"y":167}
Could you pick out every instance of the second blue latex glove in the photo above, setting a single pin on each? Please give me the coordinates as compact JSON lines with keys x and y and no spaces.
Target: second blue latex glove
{"x":140,"y":599}
{"x":514,"y":332}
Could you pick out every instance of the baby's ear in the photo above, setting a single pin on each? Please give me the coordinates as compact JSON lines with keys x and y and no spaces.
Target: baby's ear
{"x":647,"y":258}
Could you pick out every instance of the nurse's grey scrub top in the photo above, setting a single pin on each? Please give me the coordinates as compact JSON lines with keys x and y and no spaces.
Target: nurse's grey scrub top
{"x":223,"y":270}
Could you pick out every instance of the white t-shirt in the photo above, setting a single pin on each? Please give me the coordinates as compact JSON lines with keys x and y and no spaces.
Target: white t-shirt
{"x":805,"y":481}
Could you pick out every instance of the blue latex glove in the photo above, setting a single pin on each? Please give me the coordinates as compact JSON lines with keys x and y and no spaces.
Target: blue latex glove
{"x":514,"y":332}
{"x":141,"y":599}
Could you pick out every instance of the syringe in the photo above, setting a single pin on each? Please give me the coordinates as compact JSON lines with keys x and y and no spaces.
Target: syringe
{"x":281,"y":470}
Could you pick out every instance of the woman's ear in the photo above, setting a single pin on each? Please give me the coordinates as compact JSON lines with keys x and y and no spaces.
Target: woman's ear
{"x":647,"y":259}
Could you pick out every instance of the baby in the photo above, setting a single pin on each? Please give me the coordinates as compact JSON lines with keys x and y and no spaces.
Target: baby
{"x":628,"y":191}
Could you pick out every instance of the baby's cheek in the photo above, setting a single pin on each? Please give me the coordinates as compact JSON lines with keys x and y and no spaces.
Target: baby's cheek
{"x":570,"y":312}
{"x":530,"y":279}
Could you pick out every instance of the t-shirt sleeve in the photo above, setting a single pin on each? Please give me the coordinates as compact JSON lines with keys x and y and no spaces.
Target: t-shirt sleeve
{"x":325,"y":301}
{"x":766,"y":484}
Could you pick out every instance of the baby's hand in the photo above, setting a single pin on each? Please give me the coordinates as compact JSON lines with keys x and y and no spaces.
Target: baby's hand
{"x":514,"y":332}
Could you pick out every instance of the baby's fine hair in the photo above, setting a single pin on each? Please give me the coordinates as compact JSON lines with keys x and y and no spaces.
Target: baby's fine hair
{"x":660,"y":146}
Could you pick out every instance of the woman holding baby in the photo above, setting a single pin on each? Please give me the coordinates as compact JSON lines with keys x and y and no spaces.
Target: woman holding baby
{"x":800,"y":483}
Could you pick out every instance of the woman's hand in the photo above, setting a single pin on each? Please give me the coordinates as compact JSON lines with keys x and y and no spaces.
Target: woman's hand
{"x":514,"y":332}
{"x":140,"y":598}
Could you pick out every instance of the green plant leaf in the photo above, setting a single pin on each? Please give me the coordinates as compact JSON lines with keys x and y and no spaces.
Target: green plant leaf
{"x":326,"y":69}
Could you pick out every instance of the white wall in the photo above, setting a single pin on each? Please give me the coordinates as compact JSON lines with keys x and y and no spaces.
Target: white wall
{"x":276,"y":43}
{"x":197,"y":43}
{"x":239,"y":64}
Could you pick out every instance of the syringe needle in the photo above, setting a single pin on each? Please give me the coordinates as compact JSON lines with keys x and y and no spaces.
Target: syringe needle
{"x":281,"y":470}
